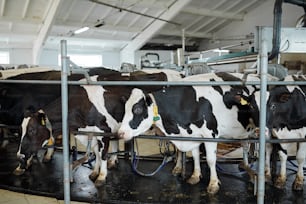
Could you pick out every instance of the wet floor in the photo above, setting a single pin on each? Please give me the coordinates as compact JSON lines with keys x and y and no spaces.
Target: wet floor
{"x":125,"y":186}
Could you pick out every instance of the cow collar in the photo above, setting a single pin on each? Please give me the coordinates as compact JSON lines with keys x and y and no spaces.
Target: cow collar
{"x":155,"y":109}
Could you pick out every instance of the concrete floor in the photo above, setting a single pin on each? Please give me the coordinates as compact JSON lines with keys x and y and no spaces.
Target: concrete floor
{"x":125,"y":186}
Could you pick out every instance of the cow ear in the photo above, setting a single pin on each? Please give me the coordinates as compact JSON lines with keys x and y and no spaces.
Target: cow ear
{"x":284,"y":97}
{"x":42,"y":118}
{"x":27,"y":113}
{"x":148,"y":100}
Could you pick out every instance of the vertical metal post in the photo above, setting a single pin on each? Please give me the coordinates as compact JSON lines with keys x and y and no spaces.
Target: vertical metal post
{"x":183,"y":40}
{"x":64,"y":89}
{"x":183,"y":46}
{"x":183,"y":174}
{"x":263,"y":94}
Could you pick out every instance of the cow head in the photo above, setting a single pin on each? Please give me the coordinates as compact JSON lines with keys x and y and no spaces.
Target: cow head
{"x":36,"y":134}
{"x":246,"y":101}
{"x":139,"y":115}
{"x":286,"y":108}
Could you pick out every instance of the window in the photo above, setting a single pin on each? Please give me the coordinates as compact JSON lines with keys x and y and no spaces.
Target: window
{"x":84,"y":60}
{"x":4,"y":57}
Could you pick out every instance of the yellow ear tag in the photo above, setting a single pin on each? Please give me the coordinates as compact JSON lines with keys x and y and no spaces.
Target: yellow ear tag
{"x":155,"y":113}
{"x":43,"y":122}
{"x":243,"y":102}
{"x":50,"y":142}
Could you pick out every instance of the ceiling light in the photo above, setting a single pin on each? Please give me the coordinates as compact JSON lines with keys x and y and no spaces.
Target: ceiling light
{"x":81,"y":30}
{"x":99,"y":23}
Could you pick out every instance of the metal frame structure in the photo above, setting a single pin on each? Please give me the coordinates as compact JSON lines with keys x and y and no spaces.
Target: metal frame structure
{"x":263,"y":62}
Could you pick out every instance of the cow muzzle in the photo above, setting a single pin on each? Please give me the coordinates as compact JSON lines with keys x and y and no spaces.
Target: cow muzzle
{"x":21,"y":168}
{"x":20,"y":156}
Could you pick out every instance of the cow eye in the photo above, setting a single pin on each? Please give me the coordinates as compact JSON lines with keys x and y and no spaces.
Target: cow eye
{"x":273,"y":107}
{"x":137,"y":110}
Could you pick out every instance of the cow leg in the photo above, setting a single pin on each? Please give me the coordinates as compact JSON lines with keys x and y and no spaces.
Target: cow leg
{"x":50,"y":150}
{"x":113,"y":160}
{"x":95,"y":173}
{"x":267,"y":162}
{"x":19,"y":170}
{"x":177,"y":170}
{"x":49,"y":154}
{"x":281,"y":178}
{"x":23,"y":166}
{"x":196,"y":175}
{"x":211,"y":157}
{"x":300,"y":157}
{"x":103,"y":168}
{"x":51,"y":143}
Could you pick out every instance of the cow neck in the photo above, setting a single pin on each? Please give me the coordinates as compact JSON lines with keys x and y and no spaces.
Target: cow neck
{"x":155,"y":109}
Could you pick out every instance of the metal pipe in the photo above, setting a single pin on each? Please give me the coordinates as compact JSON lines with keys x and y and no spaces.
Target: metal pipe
{"x":249,"y":58}
{"x":64,"y":89}
{"x":262,"y":120}
{"x":181,"y":138}
{"x":183,"y":174}
{"x":156,"y":83}
{"x":134,"y":12}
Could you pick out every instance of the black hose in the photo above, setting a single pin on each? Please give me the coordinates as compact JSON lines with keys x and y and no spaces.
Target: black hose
{"x":297,"y":2}
{"x":277,"y":23}
{"x":301,"y":3}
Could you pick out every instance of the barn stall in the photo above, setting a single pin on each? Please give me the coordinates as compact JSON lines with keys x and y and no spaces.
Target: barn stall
{"x":118,"y":190}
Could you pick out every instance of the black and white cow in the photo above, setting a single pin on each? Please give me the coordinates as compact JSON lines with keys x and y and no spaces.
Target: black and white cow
{"x":19,"y":99}
{"x":94,"y":108}
{"x":286,"y":116}
{"x":195,"y":111}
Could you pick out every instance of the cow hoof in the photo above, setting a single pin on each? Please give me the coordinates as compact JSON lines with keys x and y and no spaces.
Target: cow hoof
{"x":177,"y":171}
{"x":46,"y":160}
{"x":93,"y":176}
{"x":268,"y":178}
{"x":298,"y":185}
{"x":18,"y":171}
{"x":213,"y":189}
{"x":280,"y":183}
{"x":99,"y":183}
{"x":111,"y":164}
{"x":193,"y":180}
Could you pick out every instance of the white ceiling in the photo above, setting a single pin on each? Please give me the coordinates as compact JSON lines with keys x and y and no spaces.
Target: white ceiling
{"x":43,"y":23}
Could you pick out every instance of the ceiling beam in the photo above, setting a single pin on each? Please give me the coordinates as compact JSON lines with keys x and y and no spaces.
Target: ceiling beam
{"x":128,"y":53}
{"x":170,"y":41}
{"x":191,"y":10}
{"x":25,"y":21}
{"x":213,"y":13}
{"x":45,"y":28}
{"x":25,"y":9}
{"x":187,"y":34}
{"x":250,"y":3}
{"x":2,"y":7}
{"x":145,"y":4}
{"x":87,"y":13}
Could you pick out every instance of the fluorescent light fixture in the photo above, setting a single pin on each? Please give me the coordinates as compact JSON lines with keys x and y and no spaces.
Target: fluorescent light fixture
{"x":220,"y":50}
{"x":81,"y":30}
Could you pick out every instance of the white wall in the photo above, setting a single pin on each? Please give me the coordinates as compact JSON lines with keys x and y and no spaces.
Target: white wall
{"x":20,"y":56}
{"x":261,"y":16}
{"x":111,"y":59}
{"x":49,"y":57}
